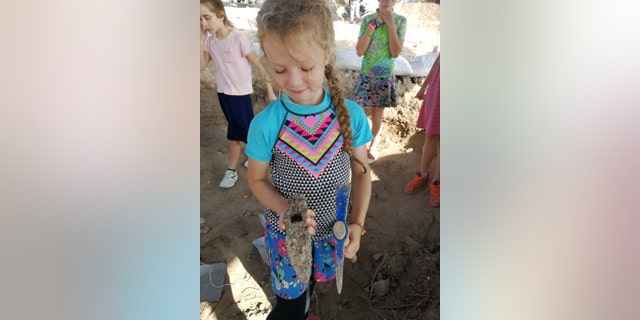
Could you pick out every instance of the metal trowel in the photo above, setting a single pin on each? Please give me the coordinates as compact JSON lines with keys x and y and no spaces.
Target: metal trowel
{"x":341,"y":230}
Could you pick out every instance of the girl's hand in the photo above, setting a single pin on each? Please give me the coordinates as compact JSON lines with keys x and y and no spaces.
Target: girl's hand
{"x":386,"y":17}
{"x":353,"y":246}
{"x":203,"y":33}
{"x":371,"y":27}
{"x":420,"y":94}
{"x":311,"y":223}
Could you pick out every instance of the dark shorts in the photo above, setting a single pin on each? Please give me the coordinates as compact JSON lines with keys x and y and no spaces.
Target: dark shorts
{"x":238,"y":111}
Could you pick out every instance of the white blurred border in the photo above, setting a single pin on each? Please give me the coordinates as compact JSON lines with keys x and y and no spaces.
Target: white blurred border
{"x":99,"y":131}
{"x":540,"y":112}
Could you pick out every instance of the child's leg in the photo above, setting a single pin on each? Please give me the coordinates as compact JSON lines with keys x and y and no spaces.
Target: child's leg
{"x":422,"y":178}
{"x":234,"y":154}
{"x":436,"y":174}
{"x":434,"y":187}
{"x":429,"y":152}
{"x":292,"y":309}
{"x":376,"y":125}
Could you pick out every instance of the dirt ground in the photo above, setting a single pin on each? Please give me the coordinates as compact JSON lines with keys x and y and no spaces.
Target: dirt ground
{"x":402,"y":243}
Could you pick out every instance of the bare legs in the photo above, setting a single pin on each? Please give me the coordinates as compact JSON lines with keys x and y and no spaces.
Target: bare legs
{"x":230,"y":175}
{"x":436,"y":173}
{"x":376,"y":125}
{"x":234,"y":154}
{"x":430,"y":152}
{"x":434,"y":187}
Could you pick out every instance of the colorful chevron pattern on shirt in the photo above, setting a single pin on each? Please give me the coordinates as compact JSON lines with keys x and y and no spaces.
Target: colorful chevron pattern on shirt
{"x":311,"y":140}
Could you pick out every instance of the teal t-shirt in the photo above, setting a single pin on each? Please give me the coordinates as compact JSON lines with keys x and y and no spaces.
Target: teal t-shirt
{"x":266,"y":125}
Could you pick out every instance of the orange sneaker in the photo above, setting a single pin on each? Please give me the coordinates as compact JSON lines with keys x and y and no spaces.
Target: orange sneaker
{"x":434,"y":194}
{"x":416,"y":183}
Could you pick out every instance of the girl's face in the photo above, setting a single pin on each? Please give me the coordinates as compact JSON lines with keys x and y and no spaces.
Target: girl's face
{"x":209,"y":20}
{"x":299,"y":76}
{"x":386,"y":4}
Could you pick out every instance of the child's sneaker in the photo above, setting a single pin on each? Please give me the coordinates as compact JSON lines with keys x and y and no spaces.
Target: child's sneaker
{"x":311,"y":316}
{"x":416,"y":183}
{"x":434,"y":194}
{"x":229,"y":180}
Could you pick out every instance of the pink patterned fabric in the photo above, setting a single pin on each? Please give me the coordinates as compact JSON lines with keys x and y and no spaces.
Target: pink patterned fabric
{"x":429,"y":117}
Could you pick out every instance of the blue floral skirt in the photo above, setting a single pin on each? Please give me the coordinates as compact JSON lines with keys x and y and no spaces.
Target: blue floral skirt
{"x":283,"y":277}
{"x":370,"y":91}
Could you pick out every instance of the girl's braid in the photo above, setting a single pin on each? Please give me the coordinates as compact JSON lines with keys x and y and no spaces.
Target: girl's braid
{"x":337,"y":99}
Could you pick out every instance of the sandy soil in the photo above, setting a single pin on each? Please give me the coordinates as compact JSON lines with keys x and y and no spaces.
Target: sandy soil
{"x":402,"y":243}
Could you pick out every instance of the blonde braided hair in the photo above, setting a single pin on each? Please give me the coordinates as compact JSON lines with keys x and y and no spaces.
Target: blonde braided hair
{"x":337,"y":99}
{"x":300,"y":20}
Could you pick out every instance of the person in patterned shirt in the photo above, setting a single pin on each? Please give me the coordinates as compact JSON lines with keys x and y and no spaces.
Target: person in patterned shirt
{"x":306,"y":142}
{"x":380,"y":41}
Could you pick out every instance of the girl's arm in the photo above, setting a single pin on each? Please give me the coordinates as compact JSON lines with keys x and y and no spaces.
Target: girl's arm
{"x":425,"y":83}
{"x":253,"y":58}
{"x":395,"y":43}
{"x":267,"y":195}
{"x":205,"y":58}
{"x":360,"y":196}
{"x":363,"y":42}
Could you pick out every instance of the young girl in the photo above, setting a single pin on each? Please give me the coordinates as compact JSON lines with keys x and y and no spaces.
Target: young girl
{"x":429,"y":119}
{"x":232,"y":55}
{"x":380,"y":40}
{"x":309,"y":140}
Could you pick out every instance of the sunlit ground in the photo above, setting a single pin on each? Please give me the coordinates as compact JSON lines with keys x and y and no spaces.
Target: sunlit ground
{"x":245,"y":292}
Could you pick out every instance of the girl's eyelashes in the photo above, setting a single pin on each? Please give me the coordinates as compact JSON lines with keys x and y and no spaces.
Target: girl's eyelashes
{"x":301,"y":68}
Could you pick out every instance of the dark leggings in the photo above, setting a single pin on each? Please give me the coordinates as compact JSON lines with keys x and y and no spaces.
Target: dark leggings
{"x":295,"y":309}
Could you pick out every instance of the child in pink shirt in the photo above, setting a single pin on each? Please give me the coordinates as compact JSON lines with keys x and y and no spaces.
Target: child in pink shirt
{"x":233,"y":57}
{"x":429,"y":119}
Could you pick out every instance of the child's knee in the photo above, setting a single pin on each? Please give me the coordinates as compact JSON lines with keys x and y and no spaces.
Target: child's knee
{"x":433,"y":139}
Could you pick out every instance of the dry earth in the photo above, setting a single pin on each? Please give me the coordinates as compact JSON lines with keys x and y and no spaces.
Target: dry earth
{"x":402,"y":243}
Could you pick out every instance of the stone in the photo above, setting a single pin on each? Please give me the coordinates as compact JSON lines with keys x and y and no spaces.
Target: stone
{"x":381,"y":287}
{"x":297,"y":238}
